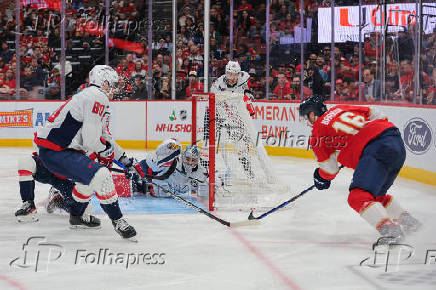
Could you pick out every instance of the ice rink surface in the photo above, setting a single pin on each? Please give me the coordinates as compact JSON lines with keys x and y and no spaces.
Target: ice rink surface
{"x":317,"y":243}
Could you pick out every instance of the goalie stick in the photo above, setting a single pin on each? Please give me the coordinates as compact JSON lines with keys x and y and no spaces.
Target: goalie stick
{"x":252,"y":217}
{"x":193,"y":206}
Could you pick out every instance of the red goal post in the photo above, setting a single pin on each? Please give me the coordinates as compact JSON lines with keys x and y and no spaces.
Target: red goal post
{"x":208,"y":99}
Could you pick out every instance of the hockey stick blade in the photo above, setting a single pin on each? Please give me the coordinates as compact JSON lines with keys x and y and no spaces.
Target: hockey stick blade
{"x":252,"y":217}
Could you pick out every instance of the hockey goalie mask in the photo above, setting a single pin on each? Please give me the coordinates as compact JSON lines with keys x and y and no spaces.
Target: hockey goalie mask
{"x":190,"y":157}
{"x":104,"y":77}
{"x":232,"y":72}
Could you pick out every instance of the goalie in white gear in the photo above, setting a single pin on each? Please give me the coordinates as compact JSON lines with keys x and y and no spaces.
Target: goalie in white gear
{"x":77,"y":127}
{"x":173,"y":169}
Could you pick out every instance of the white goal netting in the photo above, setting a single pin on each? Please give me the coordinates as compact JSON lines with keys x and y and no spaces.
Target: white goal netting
{"x":240,"y":168}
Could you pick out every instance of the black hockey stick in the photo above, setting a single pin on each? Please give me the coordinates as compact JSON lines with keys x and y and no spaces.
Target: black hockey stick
{"x":199,"y":209}
{"x":193,"y":206}
{"x":252,"y":217}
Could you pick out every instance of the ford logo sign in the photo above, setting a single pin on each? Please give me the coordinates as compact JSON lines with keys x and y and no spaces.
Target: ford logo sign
{"x":417,"y":136}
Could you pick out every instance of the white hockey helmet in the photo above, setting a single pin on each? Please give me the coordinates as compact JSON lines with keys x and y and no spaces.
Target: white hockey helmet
{"x":233,"y":67}
{"x":101,"y":73}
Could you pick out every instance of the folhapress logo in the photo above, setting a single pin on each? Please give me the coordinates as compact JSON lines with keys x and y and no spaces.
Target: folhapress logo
{"x":417,"y":136}
{"x":38,"y":254}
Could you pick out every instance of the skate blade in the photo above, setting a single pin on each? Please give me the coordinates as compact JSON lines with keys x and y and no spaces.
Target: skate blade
{"x":132,"y":239}
{"x":31,"y":218}
{"x":83,"y":227}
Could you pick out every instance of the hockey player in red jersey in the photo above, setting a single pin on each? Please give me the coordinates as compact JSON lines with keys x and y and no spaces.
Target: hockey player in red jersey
{"x":363,"y":139}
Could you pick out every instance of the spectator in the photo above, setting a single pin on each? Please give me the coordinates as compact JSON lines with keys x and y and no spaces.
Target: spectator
{"x":6,"y":53}
{"x":296,"y":89}
{"x":245,"y":6}
{"x":123,"y":69}
{"x":314,"y":80}
{"x":139,"y":70}
{"x":372,"y":88}
{"x":10,"y":79}
{"x":5,"y":90}
{"x":54,"y":85}
{"x":194,"y":85}
{"x":160,"y":62}
{"x":139,"y":89}
{"x":37,"y":71}
{"x":164,"y":91}
{"x":405,"y":93}
{"x":29,"y":84}
{"x":124,"y":89}
{"x":283,"y":89}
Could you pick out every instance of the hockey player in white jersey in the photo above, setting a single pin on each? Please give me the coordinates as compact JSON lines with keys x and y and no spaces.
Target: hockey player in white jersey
{"x":231,"y":122}
{"x":76,"y":128}
{"x":173,"y":169}
{"x":235,"y":81}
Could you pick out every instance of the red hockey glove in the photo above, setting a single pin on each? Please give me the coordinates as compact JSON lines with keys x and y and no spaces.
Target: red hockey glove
{"x":248,"y":98}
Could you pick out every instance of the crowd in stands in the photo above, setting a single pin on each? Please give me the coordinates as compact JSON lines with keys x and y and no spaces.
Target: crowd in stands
{"x":40,"y":51}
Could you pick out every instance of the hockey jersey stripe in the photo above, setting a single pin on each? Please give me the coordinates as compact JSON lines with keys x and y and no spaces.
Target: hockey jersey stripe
{"x":25,"y":172}
{"x":46,"y":144}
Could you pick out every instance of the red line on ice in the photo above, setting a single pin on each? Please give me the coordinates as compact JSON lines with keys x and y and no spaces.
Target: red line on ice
{"x":276,"y":270}
{"x":12,"y":283}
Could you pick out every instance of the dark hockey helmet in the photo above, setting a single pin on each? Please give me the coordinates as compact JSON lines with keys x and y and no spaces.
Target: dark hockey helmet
{"x":314,"y":104}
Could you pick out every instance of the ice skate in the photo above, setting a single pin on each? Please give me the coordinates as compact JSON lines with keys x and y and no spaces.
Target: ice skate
{"x":27,"y":212}
{"x":84,"y":222}
{"x":55,"y":200}
{"x":391,"y":234}
{"x":125,"y":230}
{"x":409,"y":224}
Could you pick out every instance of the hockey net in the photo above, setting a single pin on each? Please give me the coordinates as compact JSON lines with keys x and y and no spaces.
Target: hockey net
{"x":241,"y":175}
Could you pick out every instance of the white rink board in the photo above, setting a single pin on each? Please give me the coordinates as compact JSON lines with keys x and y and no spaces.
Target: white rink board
{"x":169,"y":119}
{"x":158,"y":120}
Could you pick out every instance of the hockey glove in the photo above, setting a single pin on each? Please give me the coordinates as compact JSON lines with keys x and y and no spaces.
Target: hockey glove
{"x":248,"y":98}
{"x":133,"y":168}
{"x":320,"y":183}
{"x":106,"y":156}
